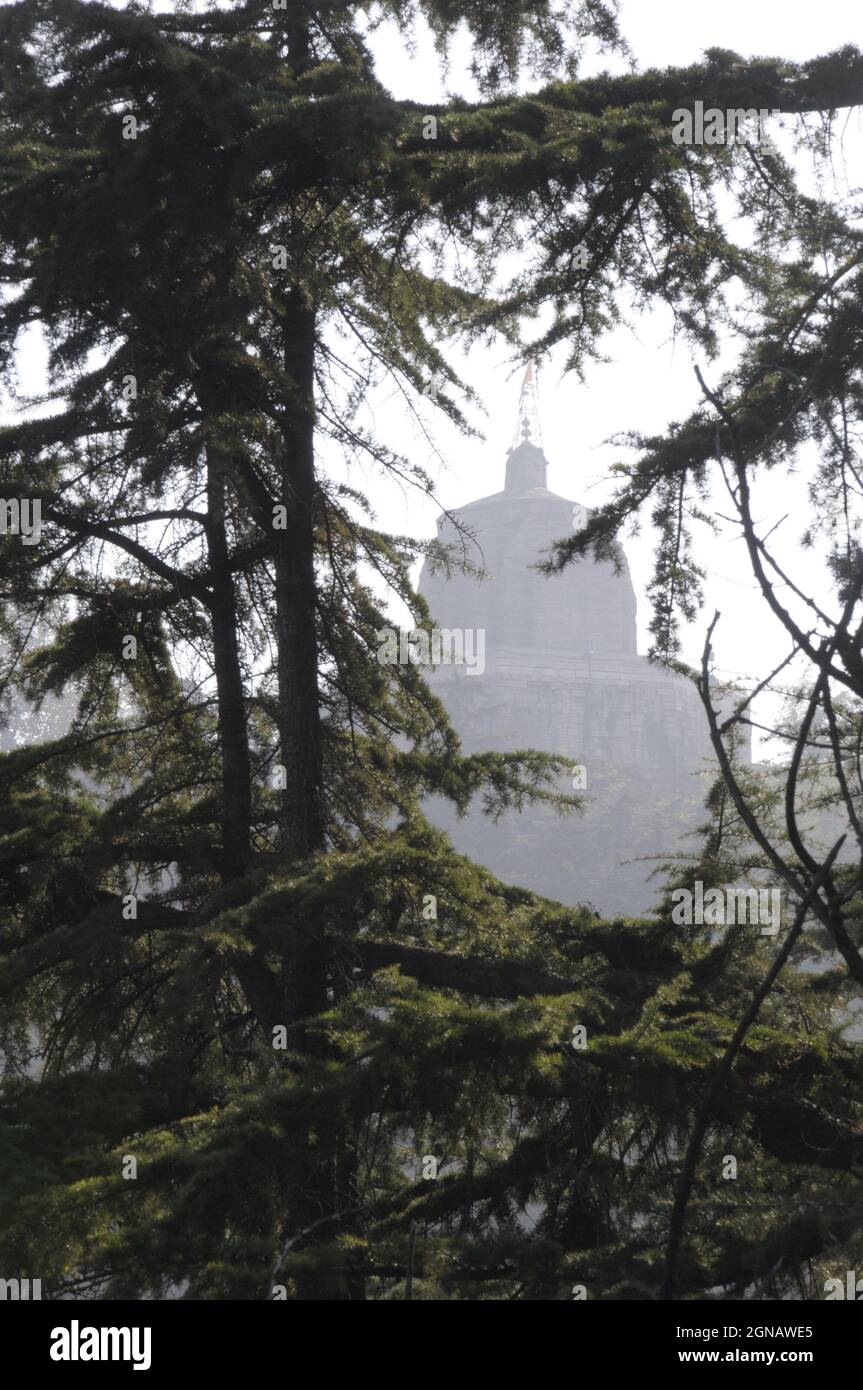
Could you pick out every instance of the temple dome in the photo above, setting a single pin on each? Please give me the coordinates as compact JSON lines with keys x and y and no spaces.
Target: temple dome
{"x":586,"y":611}
{"x":526,"y":467}
{"x":561,"y":674}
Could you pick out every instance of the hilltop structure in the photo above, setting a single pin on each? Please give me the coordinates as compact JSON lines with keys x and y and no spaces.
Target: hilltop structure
{"x":562,"y":674}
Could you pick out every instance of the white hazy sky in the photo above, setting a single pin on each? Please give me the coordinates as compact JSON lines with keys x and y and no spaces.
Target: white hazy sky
{"x":648,"y":380}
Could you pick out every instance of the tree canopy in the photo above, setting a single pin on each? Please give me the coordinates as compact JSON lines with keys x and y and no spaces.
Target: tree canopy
{"x":265,"y":1032}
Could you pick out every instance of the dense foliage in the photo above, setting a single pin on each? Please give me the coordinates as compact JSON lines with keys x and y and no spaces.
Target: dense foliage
{"x":342,"y":1057}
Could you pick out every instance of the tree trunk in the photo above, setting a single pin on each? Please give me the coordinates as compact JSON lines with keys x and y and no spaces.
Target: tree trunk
{"x":302,"y":814}
{"x":302,"y":827}
{"x":256,"y":981}
{"x":236,"y":770}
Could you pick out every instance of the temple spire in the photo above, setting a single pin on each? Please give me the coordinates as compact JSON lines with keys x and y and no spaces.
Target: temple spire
{"x":527,"y":430}
{"x":525,"y":463}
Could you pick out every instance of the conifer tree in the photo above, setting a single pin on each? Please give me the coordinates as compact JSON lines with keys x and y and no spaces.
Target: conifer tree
{"x":266,"y":1034}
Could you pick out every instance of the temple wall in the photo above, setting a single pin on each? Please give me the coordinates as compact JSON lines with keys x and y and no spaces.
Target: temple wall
{"x":562,"y":675}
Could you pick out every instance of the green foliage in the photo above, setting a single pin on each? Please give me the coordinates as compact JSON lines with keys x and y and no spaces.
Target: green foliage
{"x":445,"y":1035}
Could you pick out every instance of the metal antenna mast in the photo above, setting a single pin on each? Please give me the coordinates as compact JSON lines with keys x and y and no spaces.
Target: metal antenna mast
{"x":527,"y":430}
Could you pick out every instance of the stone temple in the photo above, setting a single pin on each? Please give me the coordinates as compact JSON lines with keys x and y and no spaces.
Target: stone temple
{"x":562,"y":674}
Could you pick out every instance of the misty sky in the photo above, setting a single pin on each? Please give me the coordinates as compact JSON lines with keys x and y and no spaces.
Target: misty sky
{"x":649,"y":379}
